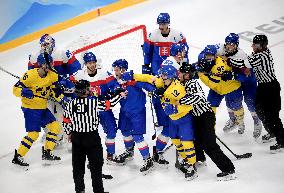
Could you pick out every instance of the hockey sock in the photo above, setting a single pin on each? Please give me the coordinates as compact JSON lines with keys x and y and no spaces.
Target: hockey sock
{"x":110,"y":145}
{"x":239,"y":115}
{"x":231,"y":114}
{"x":161,"y":142}
{"x":179,"y":148}
{"x":255,"y":117}
{"x":51,"y":136}
{"x":142,"y":146}
{"x":128,"y":142}
{"x":189,"y":151}
{"x":27,"y":142}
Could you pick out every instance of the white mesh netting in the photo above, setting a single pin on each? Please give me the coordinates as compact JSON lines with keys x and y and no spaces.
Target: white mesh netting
{"x":123,"y":42}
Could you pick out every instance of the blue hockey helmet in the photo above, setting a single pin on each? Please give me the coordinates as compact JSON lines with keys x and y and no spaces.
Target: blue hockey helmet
{"x":168,"y":70}
{"x":47,"y":41}
{"x":232,"y":38}
{"x":163,"y":18}
{"x":210,"y":49}
{"x":44,"y":58}
{"x":176,"y":48}
{"x":121,"y":63}
{"x":89,"y":57}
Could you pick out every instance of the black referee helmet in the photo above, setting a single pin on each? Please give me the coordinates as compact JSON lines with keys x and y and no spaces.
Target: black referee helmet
{"x":82,"y":87}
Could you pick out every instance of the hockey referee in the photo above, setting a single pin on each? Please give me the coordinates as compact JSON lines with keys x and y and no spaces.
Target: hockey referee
{"x":268,"y":98}
{"x":80,"y":122}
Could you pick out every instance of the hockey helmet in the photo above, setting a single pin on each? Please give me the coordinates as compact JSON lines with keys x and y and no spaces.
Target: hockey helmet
{"x":89,"y":57}
{"x":121,"y":63}
{"x":232,"y":38}
{"x":261,"y":40}
{"x":169,"y":71}
{"x":163,"y":18}
{"x":176,"y":48}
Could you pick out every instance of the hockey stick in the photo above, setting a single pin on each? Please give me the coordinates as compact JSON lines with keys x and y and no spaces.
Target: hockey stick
{"x":245,"y":155}
{"x":15,"y":76}
{"x":2,"y":69}
{"x":153,"y":118}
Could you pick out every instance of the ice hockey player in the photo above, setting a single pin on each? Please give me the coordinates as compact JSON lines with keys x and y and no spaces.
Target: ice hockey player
{"x":34,"y":88}
{"x":81,"y":120}
{"x":214,"y":76}
{"x":64,"y":64}
{"x":268,"y":97}
{"x":103,"y":84}
{"x":181,"y":129}
{"x":157,"y":48}
{"x":132,"y":116}
{"x":236,"y":58}
{"x":204,"y":124}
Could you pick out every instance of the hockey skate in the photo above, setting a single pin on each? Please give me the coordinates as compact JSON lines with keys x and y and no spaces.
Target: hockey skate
{"x":257,"y":130}
{"x":241,"y":128}
{"x":48,"y":158}
{"x":226,"y":176}
{"x":160,"y":160}
{"x":112,"y":159}
{"x":127,"y":155}
{"x":148,"y":166}
{"x":276,"y":148}
{"x":230,"y":125}
{"x":188,"y":169}
{"x":267,"y":138}
{"x":19,"y":161}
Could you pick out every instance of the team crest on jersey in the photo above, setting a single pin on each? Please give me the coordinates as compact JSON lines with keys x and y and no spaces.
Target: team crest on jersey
{"x":164,"y":51}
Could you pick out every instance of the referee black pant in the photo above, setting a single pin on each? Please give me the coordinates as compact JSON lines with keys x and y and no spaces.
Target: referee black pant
{"x":87,"y":144}
{"x":268,"y":106}
{"x":205,"y":139}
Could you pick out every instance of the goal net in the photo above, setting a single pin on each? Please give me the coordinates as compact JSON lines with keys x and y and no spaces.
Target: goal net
{"x":123,"y":42}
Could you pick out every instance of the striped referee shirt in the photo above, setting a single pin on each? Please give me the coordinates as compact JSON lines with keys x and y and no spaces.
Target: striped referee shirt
{"x":263,"y":66}
{"x":81,"y":114}
{"x":196,"y":97}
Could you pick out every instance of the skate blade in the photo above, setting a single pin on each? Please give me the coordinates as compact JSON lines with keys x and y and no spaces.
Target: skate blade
{"x":191,"y":177}
{"x":276,"y":151}
{"x":162,"y":166}
{"x":49,"y":162}
{"x":111,"y":163}
{"x":21,"y":168}
{"x":148,"y":171}
{"x":227,"y":178}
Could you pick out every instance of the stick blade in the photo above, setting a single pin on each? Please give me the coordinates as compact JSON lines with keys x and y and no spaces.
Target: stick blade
{"x":246,"y":155}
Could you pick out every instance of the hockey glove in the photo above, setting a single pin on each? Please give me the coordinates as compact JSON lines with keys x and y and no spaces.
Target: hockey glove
{"x":126,"y":76}
{"x":58,"y":89}
{"x":63,"y":102}
{"x":158,"y":92}
{"x":67,"y":85}
{"x":228,"y":76}
{"x":28,"y":93}
{"x":146,"y":69}
{"x":170,"y":109}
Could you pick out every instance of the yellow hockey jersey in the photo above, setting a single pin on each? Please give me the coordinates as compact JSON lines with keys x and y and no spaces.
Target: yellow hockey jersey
{"x":174,"y":92}
{"x":214,"y":81}
{"x":42,"y":89}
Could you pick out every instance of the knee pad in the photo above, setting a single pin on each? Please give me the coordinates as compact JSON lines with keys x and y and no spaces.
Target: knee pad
{"x":54,"y":127}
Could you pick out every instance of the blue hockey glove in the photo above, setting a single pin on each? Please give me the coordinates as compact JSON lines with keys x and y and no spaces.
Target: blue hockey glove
{"x":28,"y":93}
{"x":146,"y":69}
{"x":170,"y":109}
{"x":126,"y":76}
